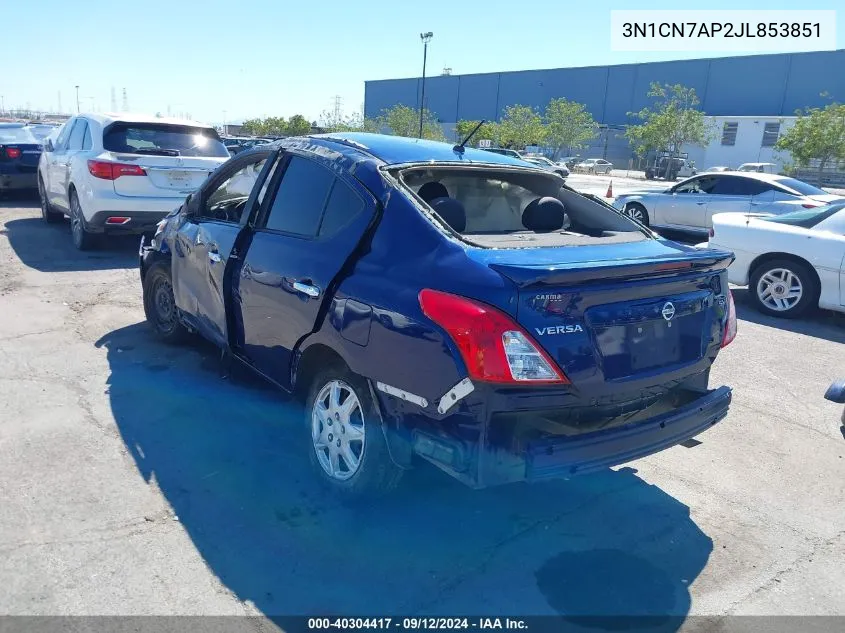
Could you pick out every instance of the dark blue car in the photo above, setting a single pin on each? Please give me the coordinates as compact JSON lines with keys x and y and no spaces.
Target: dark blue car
{"x":456,"y":305}
{"x":20,"y":151}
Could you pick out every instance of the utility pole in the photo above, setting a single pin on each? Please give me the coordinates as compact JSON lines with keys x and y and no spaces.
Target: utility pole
{"x":425,"y":38}
{"x":125,"y":101}
{"x":77,"y":99}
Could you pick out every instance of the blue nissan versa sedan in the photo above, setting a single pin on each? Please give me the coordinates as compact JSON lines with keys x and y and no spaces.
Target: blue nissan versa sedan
{"x":448,"y":303}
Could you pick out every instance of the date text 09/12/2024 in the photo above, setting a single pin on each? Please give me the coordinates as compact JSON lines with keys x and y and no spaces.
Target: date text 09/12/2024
{"x":749,"y":30}
{"x":416,"y":623}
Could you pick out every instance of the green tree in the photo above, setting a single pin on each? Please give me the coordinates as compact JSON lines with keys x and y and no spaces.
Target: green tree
{"x":521,"y":126}
{"x":488,"y":131}
{"x":400,"y":120}
{"x":332,"y":122}
{"x":568,"y":125}
{"x":818,"y":134}
{"x":672,"y":122}
{"x":297,"y":125}
{"x":254,"y":127}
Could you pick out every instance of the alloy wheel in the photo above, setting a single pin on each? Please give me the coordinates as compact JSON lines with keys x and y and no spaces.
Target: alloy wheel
{"x":337,"y":430}
{"x":635,"y":213}
{"x":76,"y":227}
{"x":780,"y":289}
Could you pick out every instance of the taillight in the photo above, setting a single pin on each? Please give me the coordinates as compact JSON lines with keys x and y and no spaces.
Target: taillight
{"x":729,"y":334}
{"x":13,"y":152}
{"x":712,"y":233}
{"x":112,"y":171}
{"x":493,"y":346}
{"x":808,"y":205}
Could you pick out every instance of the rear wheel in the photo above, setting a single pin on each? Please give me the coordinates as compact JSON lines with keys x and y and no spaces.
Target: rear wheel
{"x":784,"y":288}
{"x":47,"y":213}
{"x":160,"y":304}
{"x":82,"y":238}
{"x":348,"y":448}
{"x":636,"y":211}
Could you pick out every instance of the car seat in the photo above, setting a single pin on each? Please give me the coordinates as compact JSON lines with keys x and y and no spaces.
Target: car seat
{"x":452,"y":212}
{"x":544,"y":215}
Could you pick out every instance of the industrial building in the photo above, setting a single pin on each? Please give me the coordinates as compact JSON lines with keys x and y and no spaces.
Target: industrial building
{"x":741,"y":90}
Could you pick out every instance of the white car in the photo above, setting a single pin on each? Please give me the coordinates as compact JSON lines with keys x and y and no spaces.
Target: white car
{"x":762,"y":168}
{"x":691,"y":204}
{"x":545,"y":163}
{"x":122,"y":173}
{"x":790,"y":262}
{"x":594,"y":166}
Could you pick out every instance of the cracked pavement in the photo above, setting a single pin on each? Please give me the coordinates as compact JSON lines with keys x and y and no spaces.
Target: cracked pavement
{"x":136,"y":481}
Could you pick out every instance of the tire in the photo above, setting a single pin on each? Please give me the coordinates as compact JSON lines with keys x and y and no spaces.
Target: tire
{"x":349,"y":466}
{"x":783,"y":288}
{"x":82,"y":238}
{"x":160,"y":305}
{"x":636,"y":211}
{"x":47,"y":213}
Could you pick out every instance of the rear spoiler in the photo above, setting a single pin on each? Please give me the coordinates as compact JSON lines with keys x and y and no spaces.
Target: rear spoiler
{"x":617,"y":270}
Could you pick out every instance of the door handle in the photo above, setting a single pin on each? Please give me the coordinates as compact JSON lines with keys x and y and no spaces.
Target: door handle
{"x":214,"y":257}
{"x":306,"y":289}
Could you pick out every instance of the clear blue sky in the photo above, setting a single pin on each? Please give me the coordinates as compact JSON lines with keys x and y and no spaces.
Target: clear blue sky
{"x":281,"y":57}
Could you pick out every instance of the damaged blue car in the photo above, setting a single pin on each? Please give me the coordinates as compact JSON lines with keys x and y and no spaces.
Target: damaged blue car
{"x":446,"y":304}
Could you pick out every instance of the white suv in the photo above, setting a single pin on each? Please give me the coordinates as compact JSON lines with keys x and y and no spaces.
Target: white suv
{"x":123,"y":173}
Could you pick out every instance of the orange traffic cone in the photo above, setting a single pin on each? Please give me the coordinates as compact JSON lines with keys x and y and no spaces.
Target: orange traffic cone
{"x":609,"y":193}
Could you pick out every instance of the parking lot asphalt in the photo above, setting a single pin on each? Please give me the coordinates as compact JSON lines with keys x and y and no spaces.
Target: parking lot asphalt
{"x":135,"y":480}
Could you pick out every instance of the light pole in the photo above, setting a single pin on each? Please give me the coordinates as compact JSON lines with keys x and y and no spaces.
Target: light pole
{"x":225,"y":126}
{"x":426,"y":38}
{"x":77,"y":99}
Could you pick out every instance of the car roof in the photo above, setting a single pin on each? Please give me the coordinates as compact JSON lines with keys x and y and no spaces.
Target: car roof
{"x":395,"y":150}
{"x":128,"y":117}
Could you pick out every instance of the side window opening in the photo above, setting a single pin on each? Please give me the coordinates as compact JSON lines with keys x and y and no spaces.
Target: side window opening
{"x":228,"y":201}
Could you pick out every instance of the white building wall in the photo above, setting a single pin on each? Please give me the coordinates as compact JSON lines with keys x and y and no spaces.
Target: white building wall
{"x":748,"y":147}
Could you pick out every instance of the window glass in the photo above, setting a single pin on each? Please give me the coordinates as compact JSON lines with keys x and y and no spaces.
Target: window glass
{"x":771,"y":131}
{"x":729,"y":131}
{"x":697,"y":185}
{"x":344,"y":204}
{"x":732,"y":186}
{"x":16,"y":134}
{"x":77,"y":135}
{"x":228,"y":202}
{"x":267,"y":181}
{"x":61,"y":140}
{"x":801,"y":187}
{"x":163,"y":139}
{"x":300,"y":199}
{"x":86,"y":141}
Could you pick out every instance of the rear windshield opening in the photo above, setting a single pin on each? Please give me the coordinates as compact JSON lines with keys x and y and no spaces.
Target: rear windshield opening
{"x":163,"y":139}
{"x":16,"y":135}
{"x":511,"y":208}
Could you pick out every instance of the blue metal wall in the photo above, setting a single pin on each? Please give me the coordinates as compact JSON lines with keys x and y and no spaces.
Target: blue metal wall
{"x":758,"y":85}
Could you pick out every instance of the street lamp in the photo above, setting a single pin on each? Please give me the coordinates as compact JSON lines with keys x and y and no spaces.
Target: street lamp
{"x":425,"y":38}
{"x":77,"y":99}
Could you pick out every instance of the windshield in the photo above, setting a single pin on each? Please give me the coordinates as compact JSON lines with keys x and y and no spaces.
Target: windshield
{"x":164,"y":139}
{"x":808,"y":218}
{"x":801,"y":187}
{"x":16,"y":135}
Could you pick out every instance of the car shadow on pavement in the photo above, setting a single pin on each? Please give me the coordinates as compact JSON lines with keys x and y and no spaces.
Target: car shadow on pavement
{"x":49,"y":247}
{"x":822,"y":324}
{"x":230,"y":457}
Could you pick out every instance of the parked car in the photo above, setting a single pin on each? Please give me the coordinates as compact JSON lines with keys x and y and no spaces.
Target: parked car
{"x":790,"y":262}
{"x":503,"y":151}
{"x":460,"y":306}
{"x":594,"y":166}
{"x":670,"y":168}
{"x":121,"y":173}
{"x":41,"y":130}
{"x":690,"y":204}
{"x":761,"y":168}
{"x":569,"y":162}
{"x":545,"y":163}
{"x":19,"y":154}
{"x":836,"y":393}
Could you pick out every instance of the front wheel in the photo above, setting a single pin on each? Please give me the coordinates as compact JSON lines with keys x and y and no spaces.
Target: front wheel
{"x":160,"y":304}
{"x":348,"y":449}
{"x":637,"y":212}
{"x":783,"y":288}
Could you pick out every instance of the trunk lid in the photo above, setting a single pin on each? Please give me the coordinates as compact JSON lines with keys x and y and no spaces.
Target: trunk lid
{"x":166,"y":176}
{"x":618,"y":312}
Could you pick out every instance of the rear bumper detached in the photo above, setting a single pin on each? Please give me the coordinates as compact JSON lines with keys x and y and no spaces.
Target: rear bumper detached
{"x":482,"y":463}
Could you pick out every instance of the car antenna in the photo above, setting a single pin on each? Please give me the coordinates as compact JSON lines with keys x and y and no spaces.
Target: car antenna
{"x":459,"y":148}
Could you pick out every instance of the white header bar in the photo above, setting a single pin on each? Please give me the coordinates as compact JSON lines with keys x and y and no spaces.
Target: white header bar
{"x":723,"y":31}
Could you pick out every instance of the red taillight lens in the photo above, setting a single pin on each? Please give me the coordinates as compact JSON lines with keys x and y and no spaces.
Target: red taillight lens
{"x":112,"y":171}
{"x":13,"y":152}
{"x":729,"y":333}
{"x":712,"y":233}
{"x":493,"y":346}
{"x":808,"y":205}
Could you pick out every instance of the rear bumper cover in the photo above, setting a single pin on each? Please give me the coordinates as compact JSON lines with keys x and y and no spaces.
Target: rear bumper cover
{"x":18,"y":181}
{"x":139,"y":222}
{"x":596,"y":451}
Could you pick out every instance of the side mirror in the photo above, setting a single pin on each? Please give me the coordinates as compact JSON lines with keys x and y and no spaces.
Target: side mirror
{"x":48,"y":145}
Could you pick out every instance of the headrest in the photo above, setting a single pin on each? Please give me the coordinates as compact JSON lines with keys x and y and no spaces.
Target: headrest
{"x":432,"y":190}
{"x":544,"y":215}
{"x":452,"y":212}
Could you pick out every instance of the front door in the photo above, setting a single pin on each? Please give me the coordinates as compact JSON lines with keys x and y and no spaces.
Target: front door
{"x":732,"y":194}
{"x":305,"y":234}
{"x":57,"y":166}
{"x":687,"y":206}
{"x":206,"y":243}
